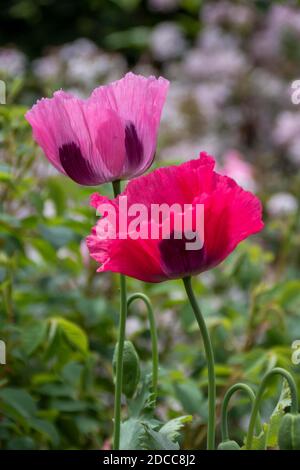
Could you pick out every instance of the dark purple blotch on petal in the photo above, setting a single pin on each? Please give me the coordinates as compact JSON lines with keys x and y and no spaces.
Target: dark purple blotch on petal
{"x":176,"y":260}
{"x":76,"y":166}
{"x":133,"y":146}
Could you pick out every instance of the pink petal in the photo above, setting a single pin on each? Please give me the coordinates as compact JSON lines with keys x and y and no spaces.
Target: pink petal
{"x":139,"y":102}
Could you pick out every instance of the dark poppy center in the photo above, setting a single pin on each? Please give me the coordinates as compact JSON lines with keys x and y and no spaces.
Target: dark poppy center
{"x":133,"y":146}
{"x":177,"y":260}
{"x":76,"y":166}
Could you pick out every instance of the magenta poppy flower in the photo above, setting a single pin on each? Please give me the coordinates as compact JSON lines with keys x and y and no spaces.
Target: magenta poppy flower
{"x":231,"y":214}
{"x":110,"y":136}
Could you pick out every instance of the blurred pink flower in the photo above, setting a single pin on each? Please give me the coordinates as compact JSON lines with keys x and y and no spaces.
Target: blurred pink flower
{"x":237,"y":168}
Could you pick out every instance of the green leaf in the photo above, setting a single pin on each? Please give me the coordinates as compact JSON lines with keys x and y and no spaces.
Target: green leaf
{"x":73,"y":333}
{"x":172,"y":428}
{"x":19,"y":401}
{"x":156,"y":440}
{"x":260,"y":442}
{"x":46,"y":428}
{"x":87,"y":425}
{"x":21,"y":443}
{"x":33,"y":336}
{"x":268,"y":438}
{"x":132,"y":434}
{"x":284,"y":402}
{"x":57,"y":236}
{"x":189,"y":395}
{"x":143,"y":402}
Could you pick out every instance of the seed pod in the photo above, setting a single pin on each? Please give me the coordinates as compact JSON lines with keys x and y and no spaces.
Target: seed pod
{"x":131,"y":368}
{"x":229,"y":445}
{"x":289,"y":432}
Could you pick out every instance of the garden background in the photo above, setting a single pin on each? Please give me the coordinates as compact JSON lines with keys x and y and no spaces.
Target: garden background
{"x":231,"y":65}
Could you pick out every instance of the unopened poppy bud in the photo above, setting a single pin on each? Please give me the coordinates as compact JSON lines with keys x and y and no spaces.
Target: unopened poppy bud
{"x":229,"y":445}
{"x":131,"y":368}
{"x":289,"y":432}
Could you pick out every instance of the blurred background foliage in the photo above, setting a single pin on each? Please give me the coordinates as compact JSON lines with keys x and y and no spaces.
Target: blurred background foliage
{"x":231,"y":65}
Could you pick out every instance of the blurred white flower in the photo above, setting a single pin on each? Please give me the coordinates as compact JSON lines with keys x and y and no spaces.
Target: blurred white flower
{"x":12,"y":62}
{"x":182,"y":151}
{"x":81,"y":64}
{"x":287,"y":133}
{"x":133,"y":325}
{"x":210,"y":96}
{"x":226,"y":11}
{"x":287,"y":127}
{"x":65,"y":253}
{"x":213,"y":65}
{"x":294,"y":150}
{"x":267,"y":85}
{"x":177,"y":295}
{"x":282,"y":204}
{"x":33,"y":255}
{"x":236,"y":294}
{"x":85,"y":255}
{"x":173,"y":118}
{"x":212,"y":38}
{"x":281,"y":20}
{"x":145,"y":69}
{"x":217,"y":57}
{"x":90,"y":70}
{"x":81,"y":47}
{"x":208,"y":279}
{"x":167,"y":41}
{"x":187,"y":149}
{"x":49,"y":209}
{"x":47,"y":68}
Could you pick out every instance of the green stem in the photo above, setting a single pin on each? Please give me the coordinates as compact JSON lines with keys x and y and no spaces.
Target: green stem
{"x":224,"y":413}
{"x":121,"y":339}
{"x":210,"y":364}
{"x":153,"y":332}
{"x":294,"y":405}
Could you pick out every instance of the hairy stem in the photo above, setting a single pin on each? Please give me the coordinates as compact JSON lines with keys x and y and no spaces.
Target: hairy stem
{"x":153,"y":332}
{"x":121,"y":339}
{"x":224,"y":413}
{"x":210,"y":363}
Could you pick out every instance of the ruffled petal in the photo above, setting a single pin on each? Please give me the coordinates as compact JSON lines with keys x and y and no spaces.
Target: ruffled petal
{"x":138,"y":101}
{"x":173,"y":184}
{"x":231,"y":214}
{"x":136,"y":258}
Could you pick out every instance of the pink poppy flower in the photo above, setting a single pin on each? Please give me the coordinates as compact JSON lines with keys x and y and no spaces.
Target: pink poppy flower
{"x":110,"y":136}
{"x":231,"y":214}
